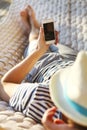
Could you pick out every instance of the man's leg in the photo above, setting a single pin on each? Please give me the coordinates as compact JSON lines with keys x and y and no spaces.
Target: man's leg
{"x":25,"y":21}
{"x":30,"y":22}
{"x":32,"y":28}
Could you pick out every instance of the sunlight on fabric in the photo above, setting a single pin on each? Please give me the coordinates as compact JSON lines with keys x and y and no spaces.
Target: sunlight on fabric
{"x":2,"y":12}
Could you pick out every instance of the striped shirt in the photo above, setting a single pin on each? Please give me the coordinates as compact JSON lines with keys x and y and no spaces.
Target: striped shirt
{"x":33,"y":99}
{"x":47,"y":66}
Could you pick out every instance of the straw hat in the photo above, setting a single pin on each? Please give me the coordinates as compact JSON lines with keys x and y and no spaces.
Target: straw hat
{"x":68,"y":88}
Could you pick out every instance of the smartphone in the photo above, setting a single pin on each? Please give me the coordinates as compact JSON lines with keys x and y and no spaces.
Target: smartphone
{"x":48,"y":26}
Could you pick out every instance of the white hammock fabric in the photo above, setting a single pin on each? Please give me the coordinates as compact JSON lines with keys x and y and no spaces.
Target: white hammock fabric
{"x":70,"y":20}
{"x":12,"y":39}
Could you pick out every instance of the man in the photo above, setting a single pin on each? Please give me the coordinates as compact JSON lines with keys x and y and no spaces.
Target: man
{"x":33,"y":98}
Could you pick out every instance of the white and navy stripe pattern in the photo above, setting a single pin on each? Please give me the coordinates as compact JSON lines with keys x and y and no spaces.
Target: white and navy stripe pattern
{"x":46,"y":72}
{"x":33,"y":100}
{"x":48,"y":65}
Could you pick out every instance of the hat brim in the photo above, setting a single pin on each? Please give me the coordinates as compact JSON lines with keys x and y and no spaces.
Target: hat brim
{"x":57,"y":95}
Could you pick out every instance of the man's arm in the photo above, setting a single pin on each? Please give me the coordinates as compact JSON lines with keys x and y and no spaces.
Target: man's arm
{"x":13,"y":77}
{"x":17,"y":73}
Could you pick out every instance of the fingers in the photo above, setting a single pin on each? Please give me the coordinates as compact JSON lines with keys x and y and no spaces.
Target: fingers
{"x":56,"y":37}
{"x":41,"y":35}
{"x":59,"y":121}
{"x":51,"y":112}
{"x":41,"y":41}
{"x":48,"y":116}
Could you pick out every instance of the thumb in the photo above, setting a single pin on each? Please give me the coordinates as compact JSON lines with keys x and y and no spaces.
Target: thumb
{"x":41,"y":34}
{"x":59,"y":121}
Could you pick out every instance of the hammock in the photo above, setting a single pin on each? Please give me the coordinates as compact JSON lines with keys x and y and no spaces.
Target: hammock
{"x":70,"y":18}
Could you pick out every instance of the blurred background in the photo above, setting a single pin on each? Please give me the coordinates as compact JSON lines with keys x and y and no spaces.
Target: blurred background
{"x":4,"y":7}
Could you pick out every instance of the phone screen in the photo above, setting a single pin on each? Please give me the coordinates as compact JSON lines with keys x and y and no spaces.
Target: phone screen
{"x":49,"y":31}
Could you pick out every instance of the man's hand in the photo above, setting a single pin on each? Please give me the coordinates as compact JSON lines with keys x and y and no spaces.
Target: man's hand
{"x":48,"y":121}
{"x":41,"y":44}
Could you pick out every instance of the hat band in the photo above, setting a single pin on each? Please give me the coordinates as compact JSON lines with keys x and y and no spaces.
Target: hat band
{"x":76,"y":106}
